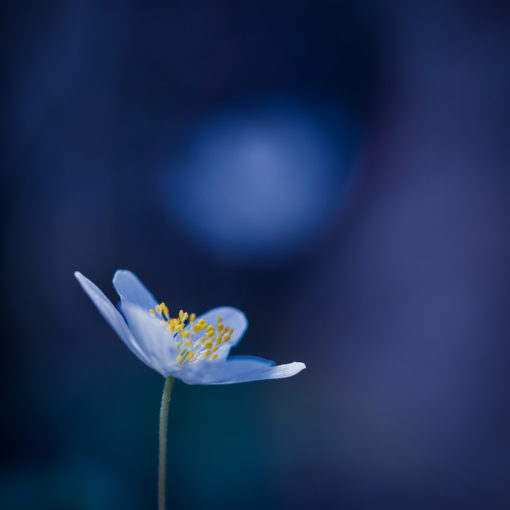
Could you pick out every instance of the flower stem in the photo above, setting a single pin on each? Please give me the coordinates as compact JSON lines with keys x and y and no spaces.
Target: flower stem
{"x":163,"y":425}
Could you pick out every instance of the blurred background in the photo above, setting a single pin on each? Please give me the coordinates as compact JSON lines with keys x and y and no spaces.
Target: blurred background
{"x":337,"y":170}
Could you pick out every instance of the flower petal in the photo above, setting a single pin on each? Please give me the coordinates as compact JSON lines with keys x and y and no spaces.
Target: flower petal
{"x":156,"y":342}
{"x":132,"y":290}
{"x":237,"y":369}
{"x":111,"y":315}
{"x":232,"y":318}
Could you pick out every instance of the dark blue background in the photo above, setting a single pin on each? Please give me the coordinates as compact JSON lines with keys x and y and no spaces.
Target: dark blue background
{"x":339,"y":171}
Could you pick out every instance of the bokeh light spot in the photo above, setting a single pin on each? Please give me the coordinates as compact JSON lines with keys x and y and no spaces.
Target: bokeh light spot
{"x":260,"y":183}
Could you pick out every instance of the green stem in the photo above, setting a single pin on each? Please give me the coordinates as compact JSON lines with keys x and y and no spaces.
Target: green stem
{"x":163,"y":424}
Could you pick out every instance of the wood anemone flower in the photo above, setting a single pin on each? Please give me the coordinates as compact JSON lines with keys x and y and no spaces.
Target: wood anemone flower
{"x":193,"y":349}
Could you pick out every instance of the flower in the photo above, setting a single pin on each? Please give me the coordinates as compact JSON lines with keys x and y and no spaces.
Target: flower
{"x":193,"y":349}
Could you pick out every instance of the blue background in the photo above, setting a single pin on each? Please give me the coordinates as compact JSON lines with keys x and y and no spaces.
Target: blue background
{"x":338,"y":171}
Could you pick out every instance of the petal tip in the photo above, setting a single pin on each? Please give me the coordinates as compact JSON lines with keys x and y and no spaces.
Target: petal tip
{"x":82,"y":279}
{"x":119,"y":273}
{"x":130,"y":288}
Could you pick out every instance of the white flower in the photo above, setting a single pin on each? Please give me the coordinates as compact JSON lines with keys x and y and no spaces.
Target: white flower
{"x":193,"y":349}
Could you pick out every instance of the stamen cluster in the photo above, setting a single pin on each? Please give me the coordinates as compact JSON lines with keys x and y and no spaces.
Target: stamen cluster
{"x":195,"y":339}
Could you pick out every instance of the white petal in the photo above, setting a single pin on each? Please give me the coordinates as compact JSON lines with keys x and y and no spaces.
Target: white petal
{"x":232,"y":318}
{"x":235,"y":370}
{"x":156,"y":342}
{"x":111,"y":315}
{"x":132,"y":290}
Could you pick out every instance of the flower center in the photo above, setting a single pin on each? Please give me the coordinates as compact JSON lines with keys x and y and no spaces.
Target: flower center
{"x":195,"y":339}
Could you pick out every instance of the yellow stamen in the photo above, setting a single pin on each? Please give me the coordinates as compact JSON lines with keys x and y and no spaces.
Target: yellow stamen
{"x":179,"y":358}
{"x":200,"y":325}
{"x":152,"y":312}
{"x":192,"y":317}
{"x":208,"y":344}
{"x":214,"y":356}
{"x":190,"y":355}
